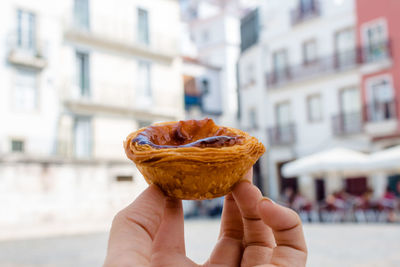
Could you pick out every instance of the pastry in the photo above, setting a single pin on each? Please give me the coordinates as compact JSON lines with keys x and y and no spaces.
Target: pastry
{"x":192,"y":159}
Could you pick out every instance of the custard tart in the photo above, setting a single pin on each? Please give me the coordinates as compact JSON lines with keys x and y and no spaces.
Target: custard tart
{"x":193,"y":159}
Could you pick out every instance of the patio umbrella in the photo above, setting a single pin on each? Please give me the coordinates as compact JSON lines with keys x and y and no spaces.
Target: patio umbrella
{"x":334,"y":161}
{"x":387,"y":160}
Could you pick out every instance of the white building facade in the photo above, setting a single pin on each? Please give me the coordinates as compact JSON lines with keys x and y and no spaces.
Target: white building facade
{"x":300,"y":89}
{"x":78,"y":76}
{"x":214,"y":29}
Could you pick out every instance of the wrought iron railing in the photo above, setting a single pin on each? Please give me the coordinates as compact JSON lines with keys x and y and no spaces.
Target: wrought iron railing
{"x":282,"y":134}
{"x":337,"y":62}
{"x":346,"y":123}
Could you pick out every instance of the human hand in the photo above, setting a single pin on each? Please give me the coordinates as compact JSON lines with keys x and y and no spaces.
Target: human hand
{"x":254,"y":232}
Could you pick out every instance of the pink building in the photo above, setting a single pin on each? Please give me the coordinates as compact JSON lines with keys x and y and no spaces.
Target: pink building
{"x":379,"y":37}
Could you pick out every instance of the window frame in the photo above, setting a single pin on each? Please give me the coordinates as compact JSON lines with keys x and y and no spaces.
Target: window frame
{"x":147,"y":40}
{"x":253,"y":118}
{"x":26,"y":38}
{"x":22,"y":140}
{"x":142,"y":91}
{"x":307,"y":61}
{"x":90,"y":147}
{"x":83,"y":83}
{"x":281,"y":103}
{"x":310,"y":118}
{"x":375,"y":113}
{"x":77,"y":15}
{"x":17,"y":74}
{"x":373,"y":80}
{"x":382,"y":22}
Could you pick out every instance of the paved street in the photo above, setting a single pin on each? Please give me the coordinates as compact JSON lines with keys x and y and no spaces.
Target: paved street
{"x":329,"y":245}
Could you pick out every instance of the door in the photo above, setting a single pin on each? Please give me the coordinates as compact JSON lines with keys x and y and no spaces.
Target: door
{"x":381,"y":106}
{"x":356,"y":186}
{"x":375,"y":41}
{"x":350,"y":114}
{"x":83,"y":137}
{"x":319,"y":189}
{"x":283,"y":122}
{"x":257,"y":178}
{"x":280,"y":64}
{"x":291,"y":182}
{"x":344,"y":45}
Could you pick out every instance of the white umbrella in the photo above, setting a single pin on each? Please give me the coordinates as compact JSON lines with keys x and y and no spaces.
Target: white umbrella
{"x":387,"y":160}
{"x":338,"y":160}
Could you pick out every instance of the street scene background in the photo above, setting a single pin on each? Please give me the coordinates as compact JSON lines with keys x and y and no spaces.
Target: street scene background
{"x":316,"y":81}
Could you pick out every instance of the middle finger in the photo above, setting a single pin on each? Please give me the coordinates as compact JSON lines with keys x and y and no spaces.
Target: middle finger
{"x":258,"y":237}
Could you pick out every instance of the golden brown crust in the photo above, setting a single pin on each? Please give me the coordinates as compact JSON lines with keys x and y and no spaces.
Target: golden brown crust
{"x":191,"y":172}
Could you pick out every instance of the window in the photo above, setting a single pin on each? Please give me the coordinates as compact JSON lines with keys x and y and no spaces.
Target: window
{"x":345,"y":47}
{"x":144,"y":82}
{"x":284,"y":130}
{"x":250,"y":79}
{"x":381,"y":99}
{"x":350,"y":100}
{"x":143,"y":26}
{"x":17,"y":145}
{"x":307,"y":6}
{"x":375,"y":41}
{"x":309,"y":52}
{"x":26,"y":34}
{"x":25,"y":90}
{"x":283,"y":117}
{"x":83,"y":74}
{"x":205,"y":84}
{"x":81,"y":14}
{"x":314,"y":108}
{"x":350,"y":110}
{"x":124,"y":178}
{"x":253,"y":118}
{"x":205,"y":36}
{"x":82,"y":137}
{"x":280,"y":63}
{"x":249,"y":30}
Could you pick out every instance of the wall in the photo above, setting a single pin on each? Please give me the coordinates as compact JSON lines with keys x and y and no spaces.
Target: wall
{"x":388,"y":10}
{"x":64,"y":192}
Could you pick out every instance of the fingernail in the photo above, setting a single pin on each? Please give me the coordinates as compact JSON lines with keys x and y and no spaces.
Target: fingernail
{"x":245,"y":180}
{"x":268,"y":200}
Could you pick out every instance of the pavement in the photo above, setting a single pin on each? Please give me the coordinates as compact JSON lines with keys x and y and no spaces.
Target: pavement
{"x":344,"y":245}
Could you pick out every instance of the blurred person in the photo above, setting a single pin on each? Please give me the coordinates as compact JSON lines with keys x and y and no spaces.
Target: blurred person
{"x":398,"y":189}
{"x":254,"y":231}
{"x":387,"y":205}
{"x":288,"y":196}
{"x":366,"y":201}
{"x":302,"y":206}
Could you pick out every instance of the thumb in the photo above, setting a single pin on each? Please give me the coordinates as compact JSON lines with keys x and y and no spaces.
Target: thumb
{"x":134,"y":228}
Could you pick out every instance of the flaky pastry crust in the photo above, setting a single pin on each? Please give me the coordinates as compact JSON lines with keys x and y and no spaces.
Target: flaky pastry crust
{"x":193,"y":159}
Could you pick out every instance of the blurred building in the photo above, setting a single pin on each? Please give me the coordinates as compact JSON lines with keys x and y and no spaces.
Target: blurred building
{"x":211,"y":47}
{"x":317,"y":74}
{"x":77,"y":76}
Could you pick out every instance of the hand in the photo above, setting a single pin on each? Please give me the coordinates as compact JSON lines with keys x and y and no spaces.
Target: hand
{"x":254,"y":232}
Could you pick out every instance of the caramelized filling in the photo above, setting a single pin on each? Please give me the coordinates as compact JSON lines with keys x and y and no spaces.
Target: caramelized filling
{"x":190,"y":133}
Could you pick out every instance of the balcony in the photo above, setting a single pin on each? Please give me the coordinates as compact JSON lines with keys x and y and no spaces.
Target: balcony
{"x":304,"y":11}
{"x":282,"y":135}
{"x":347,"y":123}
{"x":381,"y":118}
{"x":335,"y":63}
{"x":119,"y":35}
{"x":31,"y":57}
{"x":376,"y":57}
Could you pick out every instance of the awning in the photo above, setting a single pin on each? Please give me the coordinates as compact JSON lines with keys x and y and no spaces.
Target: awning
{"x":334,"y":161}
{"x":387,"y":160}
